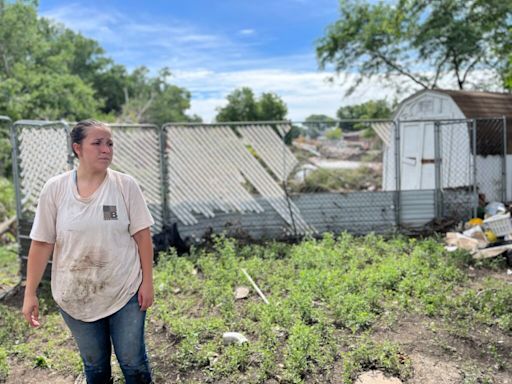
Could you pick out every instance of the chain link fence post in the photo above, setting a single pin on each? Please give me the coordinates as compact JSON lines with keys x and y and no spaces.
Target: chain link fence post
{"x":504,"y":161}
{"x":398,"y":187}
{"x":474,"y":168}
{"x":164,"y":175}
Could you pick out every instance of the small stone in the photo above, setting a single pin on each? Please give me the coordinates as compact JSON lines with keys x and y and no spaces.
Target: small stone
{"x":241,"y":292}
{"x":234,"y":338}
{"x":376,"y":377}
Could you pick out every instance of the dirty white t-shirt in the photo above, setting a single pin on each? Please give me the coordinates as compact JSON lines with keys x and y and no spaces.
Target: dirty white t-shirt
{"x":96,"y":266}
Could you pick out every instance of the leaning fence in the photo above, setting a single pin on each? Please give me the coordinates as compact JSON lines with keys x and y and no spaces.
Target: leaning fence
{"x":270,"y":180}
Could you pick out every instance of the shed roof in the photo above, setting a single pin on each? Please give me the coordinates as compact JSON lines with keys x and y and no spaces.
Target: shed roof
{"x":475,"y":104}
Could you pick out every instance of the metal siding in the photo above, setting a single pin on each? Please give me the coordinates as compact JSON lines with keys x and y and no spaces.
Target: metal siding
{"x":417,"y":207}
{"x":207,"y":166}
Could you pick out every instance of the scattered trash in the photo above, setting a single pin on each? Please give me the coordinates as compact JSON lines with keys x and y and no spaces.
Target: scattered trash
{"x":494,"y":208}
{"x":484,"y":238}
{"x":241,"y":292}
{"x":464,"y":242}
{"x":500,"y":224}
{"x":234,"y":338}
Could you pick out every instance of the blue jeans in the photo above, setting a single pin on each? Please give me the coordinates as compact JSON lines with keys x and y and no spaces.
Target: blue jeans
{"x":126,"y":330}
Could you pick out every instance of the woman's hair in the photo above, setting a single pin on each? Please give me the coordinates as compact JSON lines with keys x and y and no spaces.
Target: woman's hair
{"x":79,"y":131}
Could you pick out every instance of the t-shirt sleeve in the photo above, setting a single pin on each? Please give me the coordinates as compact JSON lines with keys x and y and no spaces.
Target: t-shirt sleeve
{"x":43,"y":228}
{"x":138,"y":211}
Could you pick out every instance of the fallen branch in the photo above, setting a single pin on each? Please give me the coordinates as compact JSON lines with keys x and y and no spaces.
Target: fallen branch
{"x":4,"y":227}
{"x":255,"y":286}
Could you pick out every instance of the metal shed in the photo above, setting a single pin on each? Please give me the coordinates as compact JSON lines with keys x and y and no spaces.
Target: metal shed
{"x":470,"y":132}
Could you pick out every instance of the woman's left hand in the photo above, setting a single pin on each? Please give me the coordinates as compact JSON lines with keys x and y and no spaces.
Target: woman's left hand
{"x":145,"y":295}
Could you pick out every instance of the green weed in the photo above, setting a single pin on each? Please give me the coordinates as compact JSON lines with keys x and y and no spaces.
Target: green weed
{"x":368,"y":355}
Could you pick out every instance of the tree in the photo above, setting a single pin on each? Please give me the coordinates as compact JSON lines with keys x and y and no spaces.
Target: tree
{"x":373,"y":109}
{"x":243,"y":106}
{"x":270,"y":107}
{"x":316,"y":124}
{"x":421,"y":40}
{"x":154,"y":100}
{"x":36,"y":80}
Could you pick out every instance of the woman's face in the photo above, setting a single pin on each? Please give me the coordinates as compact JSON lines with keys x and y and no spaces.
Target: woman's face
{"x":96,"y":149}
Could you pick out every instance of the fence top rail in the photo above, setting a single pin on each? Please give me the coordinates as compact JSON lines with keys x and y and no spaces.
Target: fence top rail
{"x":451,"y":121}
{"x":40,"y":123}
{"x":222,"y":124}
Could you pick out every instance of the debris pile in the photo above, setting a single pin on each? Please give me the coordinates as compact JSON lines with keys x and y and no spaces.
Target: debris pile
{"x":487,"y":237}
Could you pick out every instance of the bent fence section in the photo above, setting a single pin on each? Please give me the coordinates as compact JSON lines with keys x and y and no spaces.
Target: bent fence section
{"x":207,"y":179}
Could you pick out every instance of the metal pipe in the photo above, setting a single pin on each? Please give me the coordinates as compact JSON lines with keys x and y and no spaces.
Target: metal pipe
{"x":398,"y":186}
{"x":504,"y":161}
{"x":475,"y":189}
{"x":437,"y":162}
{"x":164,"y":185}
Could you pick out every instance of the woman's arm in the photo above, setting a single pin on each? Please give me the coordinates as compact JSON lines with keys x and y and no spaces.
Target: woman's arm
{"x":145,"y":245}
{"x":38,"y":257}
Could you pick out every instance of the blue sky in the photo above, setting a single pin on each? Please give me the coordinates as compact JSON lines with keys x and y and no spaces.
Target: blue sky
{"x":213,"y":47}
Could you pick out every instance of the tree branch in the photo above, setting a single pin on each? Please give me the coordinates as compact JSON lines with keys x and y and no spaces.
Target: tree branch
{"x":470,"y":67}
{"x":438,"y":72}
{"x":401,"y":71}
{"x":145,"y":107}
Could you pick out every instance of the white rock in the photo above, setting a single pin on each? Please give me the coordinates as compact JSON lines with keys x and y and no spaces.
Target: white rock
{"x":234,"y":338}
{"x":376,"y":377}
{"x":241,"y":292}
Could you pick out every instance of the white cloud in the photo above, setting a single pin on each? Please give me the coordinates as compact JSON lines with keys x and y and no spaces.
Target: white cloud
{"x":247,"y":32}
{"x":211,"y":64}
{"x":305,"y":93}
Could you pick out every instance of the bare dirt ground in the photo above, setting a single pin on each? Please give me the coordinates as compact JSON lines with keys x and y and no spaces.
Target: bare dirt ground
{"x":438,"y":356}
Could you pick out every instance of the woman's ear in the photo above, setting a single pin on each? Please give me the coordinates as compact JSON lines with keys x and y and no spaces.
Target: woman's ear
{"x":76,"y":148}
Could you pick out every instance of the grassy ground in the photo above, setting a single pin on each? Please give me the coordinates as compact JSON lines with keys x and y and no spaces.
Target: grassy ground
{"x":338,"y":307}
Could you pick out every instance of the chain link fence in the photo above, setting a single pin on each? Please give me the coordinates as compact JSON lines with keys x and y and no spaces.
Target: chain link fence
{"x":281,"y":179}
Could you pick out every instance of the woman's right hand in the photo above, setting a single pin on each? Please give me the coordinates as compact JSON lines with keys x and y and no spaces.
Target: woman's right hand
{"x":31,"y":310}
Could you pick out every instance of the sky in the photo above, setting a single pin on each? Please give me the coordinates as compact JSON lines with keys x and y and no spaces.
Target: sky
{"x":213,"y":47}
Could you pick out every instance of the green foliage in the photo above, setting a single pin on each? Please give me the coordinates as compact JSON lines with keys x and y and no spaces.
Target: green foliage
{"x":323,"y":180}
{"x":334,"y":134}
{"x":9,"y":266}
{"x":7,"y":199}
{"x":419,"y":40}
{"x":48,"y":71}
{"x":373,"y":109}
{"x":154,"y":100}
{"x":327,"y":298}
{"x":243,"y":106}
{"x":4,"y":366}
{"x":369,"y":355}
{"x":316,"y":124}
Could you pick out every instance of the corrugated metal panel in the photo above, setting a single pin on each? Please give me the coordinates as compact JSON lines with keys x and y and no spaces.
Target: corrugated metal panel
{"x":271,"y":148}
{"x":356,"y":212}
{"x":42,"y":154}
{"x":417,"y":207}
{"x":207,"y":169}
{"x":137,"y":153}
{"x":383,"y":129}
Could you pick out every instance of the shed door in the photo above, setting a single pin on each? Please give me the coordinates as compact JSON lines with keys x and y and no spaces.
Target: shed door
{"x":418,"y":168}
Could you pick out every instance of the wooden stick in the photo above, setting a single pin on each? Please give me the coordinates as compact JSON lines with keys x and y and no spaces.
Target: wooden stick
{"x":255,"y":286}
{"x":4,"y":227}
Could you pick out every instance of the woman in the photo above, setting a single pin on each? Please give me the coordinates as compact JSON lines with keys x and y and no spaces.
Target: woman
{"x":95,"y":222}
